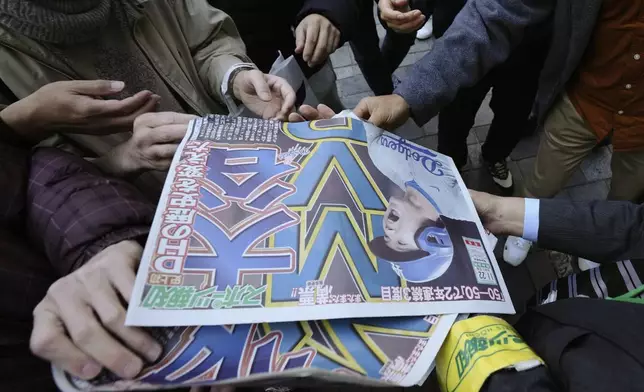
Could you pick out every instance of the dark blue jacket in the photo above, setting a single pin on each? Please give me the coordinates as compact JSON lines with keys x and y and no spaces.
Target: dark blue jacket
{"x":266,"y":26}
{"x":483,"y":35}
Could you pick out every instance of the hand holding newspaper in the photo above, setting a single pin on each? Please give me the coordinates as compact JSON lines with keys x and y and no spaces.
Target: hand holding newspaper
{"x":290,"y":250}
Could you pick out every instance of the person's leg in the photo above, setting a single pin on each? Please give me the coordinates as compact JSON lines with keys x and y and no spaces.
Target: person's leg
{"x":511,"y":107}
{"x":514,"y":88}
{"x":567,"y":140}
{"x":396,"y":45}
{"x":365,"y":45}
{"x":628,"y":176}
{"x":456,"y":119}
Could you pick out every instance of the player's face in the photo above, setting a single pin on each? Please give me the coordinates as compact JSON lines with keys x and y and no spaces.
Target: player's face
{"x":403,"y":218}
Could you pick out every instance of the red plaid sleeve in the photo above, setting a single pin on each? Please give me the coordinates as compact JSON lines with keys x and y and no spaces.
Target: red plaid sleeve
{"x":75,"y":212}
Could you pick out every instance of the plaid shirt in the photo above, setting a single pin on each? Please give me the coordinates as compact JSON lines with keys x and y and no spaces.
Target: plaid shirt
{"x":56,"y":212}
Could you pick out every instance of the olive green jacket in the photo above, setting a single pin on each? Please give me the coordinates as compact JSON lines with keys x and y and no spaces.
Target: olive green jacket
{"x":190,"y":45}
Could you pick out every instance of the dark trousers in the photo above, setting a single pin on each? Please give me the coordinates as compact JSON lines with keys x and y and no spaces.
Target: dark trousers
{"x":514,"y":86}
{"x":379,"y":63}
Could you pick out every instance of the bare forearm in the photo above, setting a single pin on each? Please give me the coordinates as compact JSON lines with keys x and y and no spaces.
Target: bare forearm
{"x":500,"y":215}
{"x":510,"y":214}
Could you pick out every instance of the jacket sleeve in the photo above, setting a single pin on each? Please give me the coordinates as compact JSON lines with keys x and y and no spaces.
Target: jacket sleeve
{"x":481,"y":37}
{"x":601,"y":231}
{"x":343,"y":14}
{"x":73,"y":211}
{"x":214,"y":41}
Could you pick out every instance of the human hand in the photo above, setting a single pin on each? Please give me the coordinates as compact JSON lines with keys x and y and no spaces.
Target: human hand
{"x":268,"y":96}
{"x":387,"y":111}
{"x":500,"y":215}
{"x":155,"y":139}
{"x":400,"y":17}
{"x":316,"y":38}
{"x":309,"y":113}
{"x":76,"y":106}
{"x":80,"y":325}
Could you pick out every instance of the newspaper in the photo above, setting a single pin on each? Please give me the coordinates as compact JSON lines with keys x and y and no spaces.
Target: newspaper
{"x":371,"y":351}
{"x":280,"y":252}
{"x":262,"y":221}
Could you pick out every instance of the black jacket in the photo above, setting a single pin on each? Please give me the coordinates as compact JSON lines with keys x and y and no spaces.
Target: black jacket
{"x":602,"y":231}
{"x":267,"y":26}
{"x":587,"y":344}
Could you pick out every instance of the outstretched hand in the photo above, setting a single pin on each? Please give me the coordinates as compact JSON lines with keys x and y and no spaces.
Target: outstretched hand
{"x":154,"y":141}
{"x":77,"y":106}
{"x":400,"y":17}
{"x":268,"y":96}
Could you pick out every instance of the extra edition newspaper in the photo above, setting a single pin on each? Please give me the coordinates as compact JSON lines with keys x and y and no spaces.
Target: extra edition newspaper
{"x":262,"y":221}
{"x":373,"y":351}
{"x":283,"y":251}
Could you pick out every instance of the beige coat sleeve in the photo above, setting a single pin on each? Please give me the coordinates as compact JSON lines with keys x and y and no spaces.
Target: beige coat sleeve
{"x":213,"y":40}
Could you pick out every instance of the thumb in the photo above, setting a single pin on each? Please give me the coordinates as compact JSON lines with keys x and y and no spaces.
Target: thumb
{"x":378,"y":115}
{"x":362,"y":110}
{"x":95,"y":87}
{"x":377,"y":118}
{"x":262,"y":89}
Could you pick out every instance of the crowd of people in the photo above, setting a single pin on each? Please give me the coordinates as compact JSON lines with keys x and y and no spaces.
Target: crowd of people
{"x":95,"y":96}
